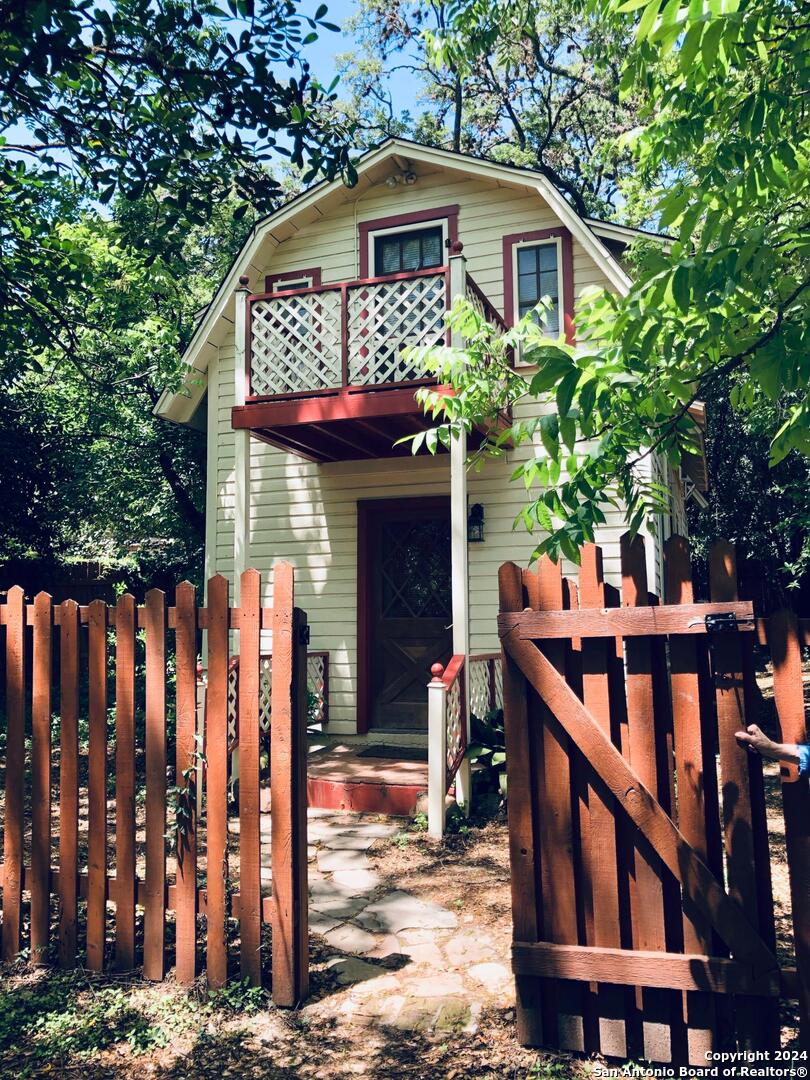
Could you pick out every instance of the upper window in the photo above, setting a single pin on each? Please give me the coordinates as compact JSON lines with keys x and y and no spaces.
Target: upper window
{"x":297,"y":283}
{"x":416,"y":249}
{"x":538,"y":276}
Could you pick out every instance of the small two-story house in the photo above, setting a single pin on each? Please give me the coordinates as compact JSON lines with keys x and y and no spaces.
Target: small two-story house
{"x":297,"y":370}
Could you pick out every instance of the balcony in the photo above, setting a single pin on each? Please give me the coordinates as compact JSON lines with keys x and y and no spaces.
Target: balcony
{"x":328,"y":376}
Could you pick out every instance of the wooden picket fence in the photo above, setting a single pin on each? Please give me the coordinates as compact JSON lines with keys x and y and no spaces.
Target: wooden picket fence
{"x":85,"y":644}
{"x":641,"y":879}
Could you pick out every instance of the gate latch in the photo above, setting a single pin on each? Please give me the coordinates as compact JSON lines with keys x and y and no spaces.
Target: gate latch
{"x":721,"y":623}
{"x":303,"y":632}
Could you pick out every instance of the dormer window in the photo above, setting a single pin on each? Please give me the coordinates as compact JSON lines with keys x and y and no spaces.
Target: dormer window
{"x":404,"y":251}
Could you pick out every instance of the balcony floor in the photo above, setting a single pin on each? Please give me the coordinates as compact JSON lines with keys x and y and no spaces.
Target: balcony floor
{"x":342,"y":425}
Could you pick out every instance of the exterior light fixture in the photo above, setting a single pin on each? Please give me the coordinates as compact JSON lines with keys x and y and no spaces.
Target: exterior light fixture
{"x":475,"y":524}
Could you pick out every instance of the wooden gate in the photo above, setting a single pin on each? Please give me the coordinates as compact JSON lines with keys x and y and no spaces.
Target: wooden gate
{"x":641,"y":886}
{"x":78,"y":678}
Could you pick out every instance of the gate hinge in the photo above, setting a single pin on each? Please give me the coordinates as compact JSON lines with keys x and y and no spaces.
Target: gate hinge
{"x":303,"y":634}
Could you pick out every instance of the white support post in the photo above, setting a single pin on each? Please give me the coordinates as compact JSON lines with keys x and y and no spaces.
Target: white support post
{"x":458,"y":546}
{"x":241,"y":520}
{"x":437,"y":753}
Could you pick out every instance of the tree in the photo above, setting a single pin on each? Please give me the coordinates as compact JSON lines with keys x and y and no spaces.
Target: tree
{"x":134,"y":139}
{"x":539,"y":89}
{"x":100,"y":475}
{"x":765,"y":510}
{"x":723,"y":121}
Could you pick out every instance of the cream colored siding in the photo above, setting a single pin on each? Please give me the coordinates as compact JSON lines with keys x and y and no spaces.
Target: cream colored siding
{"x":487,"y":213}
{"x":307,"y":514}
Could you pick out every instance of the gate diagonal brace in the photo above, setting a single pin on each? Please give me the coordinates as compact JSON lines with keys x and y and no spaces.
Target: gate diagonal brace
{"x":697,"y":880}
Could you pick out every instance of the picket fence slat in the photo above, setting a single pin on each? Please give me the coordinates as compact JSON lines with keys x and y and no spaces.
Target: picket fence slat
{"x":647,"y":893}
{"x":611,"y":1000}
{"x":154,"y":925}
{"x":697,"y":783}
{"x":125,"y":782}
{"x":571,"y":1007}
{"x":41,"y":778}
{"x":185,"y":763}
{"x":288,"y":786}
{"x":216,"y":752}
{"x":97,"y":786}
{"x":68,"y":782}
{"x":15,"y":771}
{"x":524,"y":854}
{"x":249,"y":811}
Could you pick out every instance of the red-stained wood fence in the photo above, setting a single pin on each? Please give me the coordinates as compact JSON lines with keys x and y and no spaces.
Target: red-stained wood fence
{"x":641,"y":880}
{"x":61,"y":868}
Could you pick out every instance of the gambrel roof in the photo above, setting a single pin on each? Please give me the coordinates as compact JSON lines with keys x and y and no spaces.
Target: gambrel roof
{"x":216,"y":319}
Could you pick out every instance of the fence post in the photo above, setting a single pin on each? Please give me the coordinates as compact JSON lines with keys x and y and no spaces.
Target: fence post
{"x":437,"y":752}
{"x":288,"y":782}
{"x":788,"y":690}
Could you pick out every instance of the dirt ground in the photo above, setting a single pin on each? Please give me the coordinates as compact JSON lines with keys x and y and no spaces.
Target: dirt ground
{"x":237,"y":1033}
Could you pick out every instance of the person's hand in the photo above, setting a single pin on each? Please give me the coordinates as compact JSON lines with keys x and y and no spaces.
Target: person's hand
{"x":758,"y":742}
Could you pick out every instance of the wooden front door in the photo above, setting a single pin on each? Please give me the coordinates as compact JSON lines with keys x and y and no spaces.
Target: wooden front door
{"x":408,"y":607}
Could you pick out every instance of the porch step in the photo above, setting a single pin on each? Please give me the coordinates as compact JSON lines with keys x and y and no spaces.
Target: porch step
{"x":354,"y":778}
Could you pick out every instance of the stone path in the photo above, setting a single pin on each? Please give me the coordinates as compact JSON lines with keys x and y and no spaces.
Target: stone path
{"x":399,"y":960}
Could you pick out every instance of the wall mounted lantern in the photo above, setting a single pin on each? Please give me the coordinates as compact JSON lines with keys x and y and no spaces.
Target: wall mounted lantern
{"x":475,"y":524}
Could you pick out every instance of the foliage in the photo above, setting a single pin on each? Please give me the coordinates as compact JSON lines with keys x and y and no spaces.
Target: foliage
{"x":488,"y":750}
{"x":134,"y":140}
{"x":766,"y":511}
{"x":539,"y":87}
{"x":58,"y":1018}
{"x":238,"y":996}
{"x":723,"y":120}
{"x":108,"y":481}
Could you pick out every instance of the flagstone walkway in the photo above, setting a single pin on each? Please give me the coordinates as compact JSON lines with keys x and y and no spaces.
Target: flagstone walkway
{"x":398,"y":960}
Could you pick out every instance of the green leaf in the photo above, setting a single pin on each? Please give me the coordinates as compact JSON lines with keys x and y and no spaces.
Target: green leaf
{"x":566,"y":391}
{"x":647,"y":21}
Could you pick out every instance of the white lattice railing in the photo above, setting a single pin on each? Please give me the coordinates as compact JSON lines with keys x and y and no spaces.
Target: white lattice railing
{"x":356,"y":333}
{"x":317,"y":685}
{"x":295,"y":341}
{"x":485,"y":684}
{"x":388,"y":318}
{"x":482,"y":304}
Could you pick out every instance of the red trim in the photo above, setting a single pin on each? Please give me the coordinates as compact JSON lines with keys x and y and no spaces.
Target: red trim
{"x":450,"y":213}
{"x":313,"y":272}
{"x":364,"y":796}
{"x":451,"y":672}
{"x":366,"y":510}
{"x":346,"y":404}
{"x":567,"y":274}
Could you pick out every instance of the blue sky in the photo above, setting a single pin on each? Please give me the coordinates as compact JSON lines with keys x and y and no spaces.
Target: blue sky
{"x":322,"y":53}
